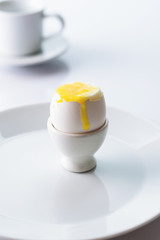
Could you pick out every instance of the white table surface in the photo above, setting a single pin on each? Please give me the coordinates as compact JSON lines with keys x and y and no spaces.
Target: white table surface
{"x":115,"y":44}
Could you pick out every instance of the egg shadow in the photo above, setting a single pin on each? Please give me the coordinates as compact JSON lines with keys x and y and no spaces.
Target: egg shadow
{"x":79,"y":197}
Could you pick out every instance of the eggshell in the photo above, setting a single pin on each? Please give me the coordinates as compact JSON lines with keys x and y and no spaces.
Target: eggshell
{"x":66,"y":116}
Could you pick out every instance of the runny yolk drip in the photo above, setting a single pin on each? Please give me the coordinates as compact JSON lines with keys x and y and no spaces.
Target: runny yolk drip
{"x":79,"y":92}
{"x":84,"y":117}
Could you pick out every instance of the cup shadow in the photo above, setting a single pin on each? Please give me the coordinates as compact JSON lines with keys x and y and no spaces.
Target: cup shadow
{"x":52,"y":67}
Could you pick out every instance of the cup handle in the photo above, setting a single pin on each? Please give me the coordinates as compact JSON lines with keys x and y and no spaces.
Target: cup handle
{"x":59,"y":18}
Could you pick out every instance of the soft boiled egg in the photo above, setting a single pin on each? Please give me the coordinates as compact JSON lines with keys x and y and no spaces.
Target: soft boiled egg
{"x":77,"y":108}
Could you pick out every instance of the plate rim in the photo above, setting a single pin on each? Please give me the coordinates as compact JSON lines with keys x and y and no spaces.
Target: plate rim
{"x":19,"y":107}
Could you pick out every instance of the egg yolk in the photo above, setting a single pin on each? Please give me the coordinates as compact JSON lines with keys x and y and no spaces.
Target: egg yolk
{"x":79,"y":92}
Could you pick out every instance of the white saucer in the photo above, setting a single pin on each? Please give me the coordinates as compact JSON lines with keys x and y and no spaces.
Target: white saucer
{"x":51,"y":48}
{"x":41,"y":200}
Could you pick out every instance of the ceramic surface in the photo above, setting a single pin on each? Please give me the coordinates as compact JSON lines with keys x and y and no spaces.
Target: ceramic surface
{"x":78,"y":149}
{"x":50,"y":49}
{"x":41,"y":200}
{"x":21,"y":26}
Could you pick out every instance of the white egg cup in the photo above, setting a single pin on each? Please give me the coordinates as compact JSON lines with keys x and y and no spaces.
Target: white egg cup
{"x":78,"y":149}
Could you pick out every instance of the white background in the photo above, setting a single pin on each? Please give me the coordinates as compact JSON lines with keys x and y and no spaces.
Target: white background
{"x":114,"y":43}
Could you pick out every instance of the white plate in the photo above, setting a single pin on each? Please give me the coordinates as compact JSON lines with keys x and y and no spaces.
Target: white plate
{"x":41,"y":200}
{"x":51,"y":48}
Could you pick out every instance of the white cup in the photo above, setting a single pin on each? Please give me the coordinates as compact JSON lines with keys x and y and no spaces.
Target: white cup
{"x":21,"y":26}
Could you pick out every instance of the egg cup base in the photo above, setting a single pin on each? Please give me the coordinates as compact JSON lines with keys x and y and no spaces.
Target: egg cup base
{"x":78,"y":149}
{"x":79,"y":165}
